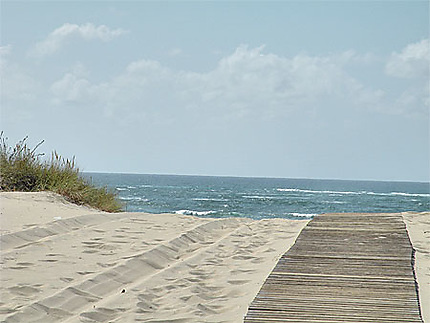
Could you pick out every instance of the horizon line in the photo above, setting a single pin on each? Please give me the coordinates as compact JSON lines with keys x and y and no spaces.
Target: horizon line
{"x":258,"y":177}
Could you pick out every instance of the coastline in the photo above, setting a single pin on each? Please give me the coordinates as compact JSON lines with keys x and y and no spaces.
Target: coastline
{"x":73,"y":262}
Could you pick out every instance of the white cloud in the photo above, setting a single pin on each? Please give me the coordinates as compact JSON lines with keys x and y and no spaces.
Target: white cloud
{"x":245,"y":84}
{"x":252,"y":82}
{"x":59,"y":36}
{"x":413,"y":61}
{"x":252,"y":100}
{"x":248,"y":84}
{"x":73,"y":87}
{"x":412,"y":65}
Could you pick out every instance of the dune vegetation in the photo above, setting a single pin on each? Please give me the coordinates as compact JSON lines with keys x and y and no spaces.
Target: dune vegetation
{"x":23,"y":169}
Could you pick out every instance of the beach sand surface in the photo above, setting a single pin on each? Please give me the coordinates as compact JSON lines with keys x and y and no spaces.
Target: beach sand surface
{"x":418,"y":226}
{"x":62,"y":262}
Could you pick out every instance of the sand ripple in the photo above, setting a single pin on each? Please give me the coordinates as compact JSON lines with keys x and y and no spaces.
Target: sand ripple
{"x":133,"y":267}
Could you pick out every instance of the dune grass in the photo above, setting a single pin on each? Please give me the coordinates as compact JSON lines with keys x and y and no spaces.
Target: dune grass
{"x":22,"y":169}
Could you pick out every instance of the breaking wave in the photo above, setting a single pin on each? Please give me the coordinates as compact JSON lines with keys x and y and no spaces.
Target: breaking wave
{"x":352,"y":193}
{"x":195,"y":213}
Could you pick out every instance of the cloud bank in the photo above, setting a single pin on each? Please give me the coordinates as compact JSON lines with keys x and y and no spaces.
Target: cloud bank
{"x":252,"y":107}
{"x":247,"y":83}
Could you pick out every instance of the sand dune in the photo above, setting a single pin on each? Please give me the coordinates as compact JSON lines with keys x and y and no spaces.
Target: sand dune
{"x":61,"y":262}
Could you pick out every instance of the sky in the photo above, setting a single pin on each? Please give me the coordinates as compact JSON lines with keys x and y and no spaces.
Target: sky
{"x":293,"y":89}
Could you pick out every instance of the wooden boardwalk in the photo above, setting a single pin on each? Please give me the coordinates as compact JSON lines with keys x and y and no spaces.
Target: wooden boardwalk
{"x":343,"y":268}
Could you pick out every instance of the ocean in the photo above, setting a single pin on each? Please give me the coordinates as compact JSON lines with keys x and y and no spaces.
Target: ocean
{"x":261,"y":198}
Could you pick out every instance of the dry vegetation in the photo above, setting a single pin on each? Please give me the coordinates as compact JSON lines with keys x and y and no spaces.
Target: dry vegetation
{"x":22,"y":169}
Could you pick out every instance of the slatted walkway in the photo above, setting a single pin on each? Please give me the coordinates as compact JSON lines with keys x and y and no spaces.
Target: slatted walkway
{"x":343,"y":268}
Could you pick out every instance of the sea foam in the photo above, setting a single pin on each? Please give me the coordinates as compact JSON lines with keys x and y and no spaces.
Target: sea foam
{"x":195,"y":213}
{"x":302,"y":215}
{"x":316,"y":192}
{"x":353,"y":193}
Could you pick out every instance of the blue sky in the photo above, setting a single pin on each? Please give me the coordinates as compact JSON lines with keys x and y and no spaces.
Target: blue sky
{"x":313,"y":89}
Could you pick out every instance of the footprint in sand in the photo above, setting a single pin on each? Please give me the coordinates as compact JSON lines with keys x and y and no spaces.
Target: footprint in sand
{"x":106,"y":265}
{"x":244,"y":257}
{"x":258,"y":260}
{"x":269,"y":250}
{"x":26,"y":226}
{"x":54,"y":255}
{"x":202,"y":273}
{"x":24,"y":290}
{"x":208,"y":309}
{"x":241,"y":271}
{"x":83,"y":273}
{"x":100,"y":315}
{"x":92,"y":244}
{"x":148,"y":297}
{"x":16,"y":267}
{"x":24,"y":264}
{"x":119,"y":236}
{"x":48,"y":260}
{"x":145,"y":306}
{"x":90,"y":251}
{"x":238,"y":281}
{"x":194,"y":280}
{"x":212,"y":261}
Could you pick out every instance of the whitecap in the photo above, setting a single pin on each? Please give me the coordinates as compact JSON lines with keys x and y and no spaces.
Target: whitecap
{"x":399,"y":194}
{"x":316,"y":192}
{"x":411,"y":194}
{"x":333,"y":202}
{"x":303,"y":215}
{"x":195,"y":213}
{"x":133,"y":198}
{"x":259,"y":197}
{"x":333,"y":193}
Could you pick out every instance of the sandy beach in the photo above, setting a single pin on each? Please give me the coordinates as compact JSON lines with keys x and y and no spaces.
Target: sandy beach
{"x":418,"y":226}
{"x":62,"y":262}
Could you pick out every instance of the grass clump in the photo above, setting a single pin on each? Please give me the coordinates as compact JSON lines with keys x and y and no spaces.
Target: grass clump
{"x":22,"y":169}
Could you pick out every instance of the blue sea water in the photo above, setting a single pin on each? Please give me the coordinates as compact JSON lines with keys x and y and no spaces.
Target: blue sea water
{"x":259,"y":198}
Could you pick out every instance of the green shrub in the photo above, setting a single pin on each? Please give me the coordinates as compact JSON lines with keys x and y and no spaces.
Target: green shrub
{"x":22,"y":169}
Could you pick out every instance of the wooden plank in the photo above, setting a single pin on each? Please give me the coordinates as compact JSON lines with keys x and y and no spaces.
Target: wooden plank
{"x":343,"y":268}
